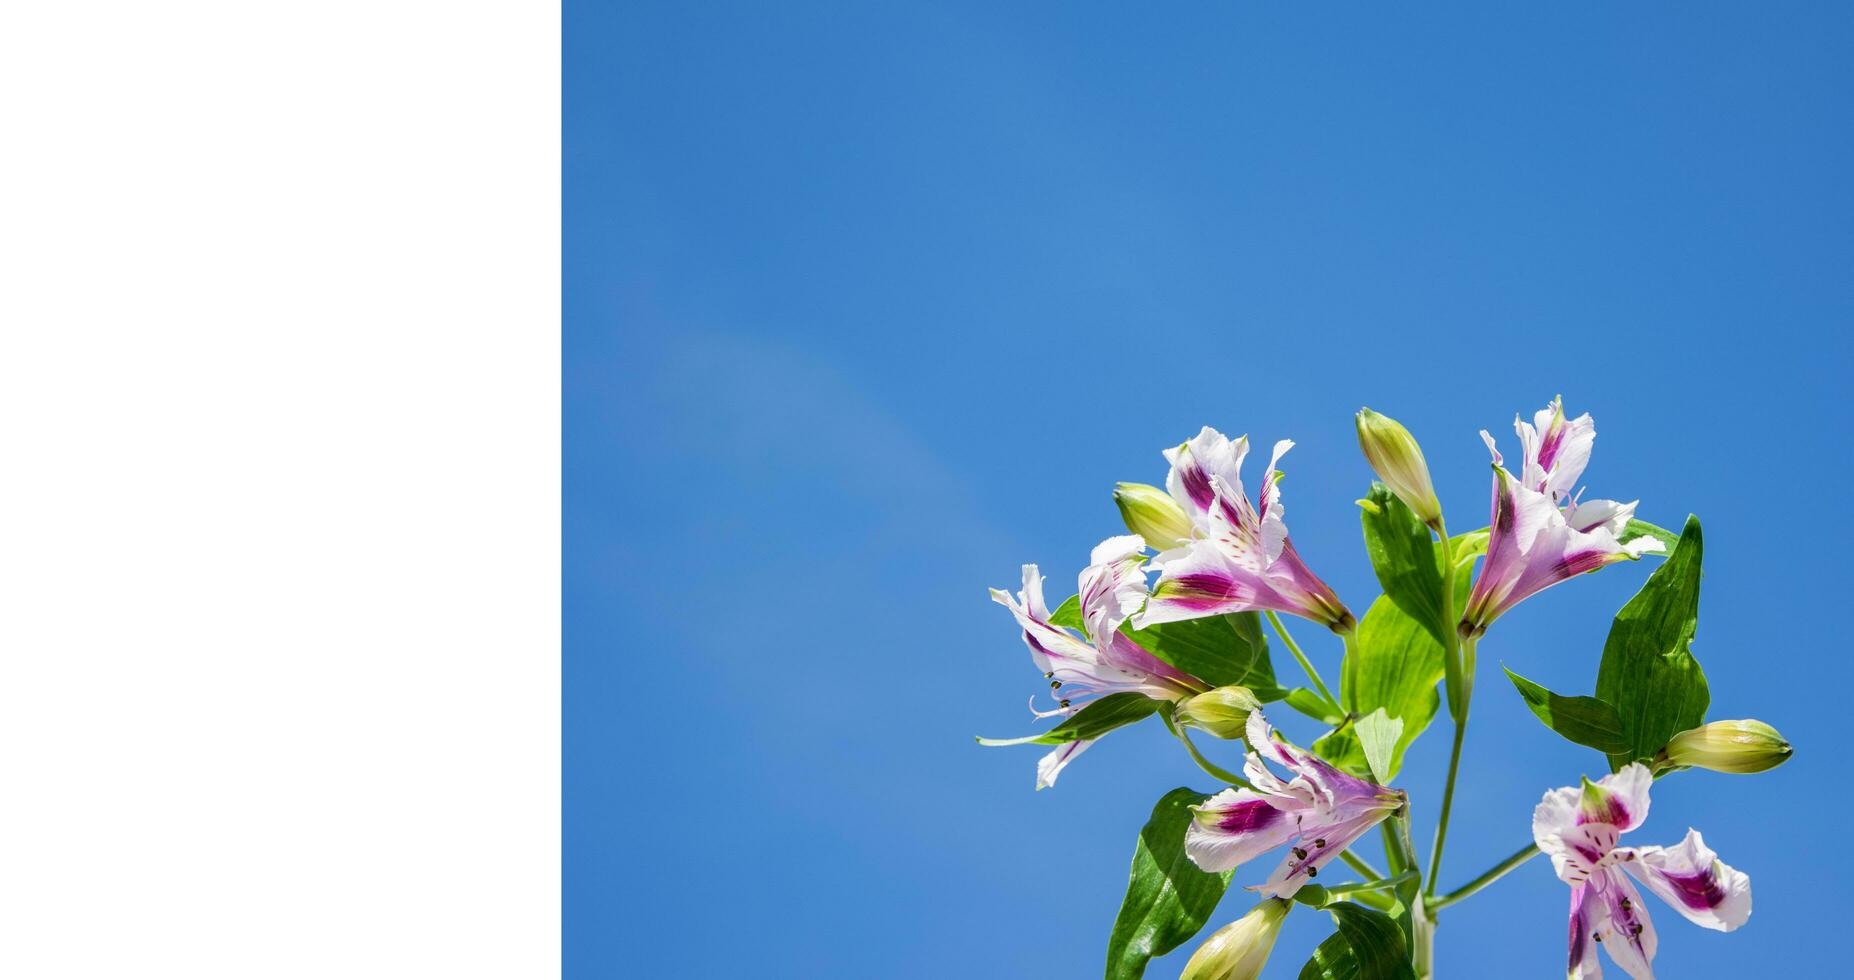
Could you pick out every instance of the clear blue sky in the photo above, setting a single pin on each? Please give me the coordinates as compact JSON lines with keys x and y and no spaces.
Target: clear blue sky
{"x":867,"y":304}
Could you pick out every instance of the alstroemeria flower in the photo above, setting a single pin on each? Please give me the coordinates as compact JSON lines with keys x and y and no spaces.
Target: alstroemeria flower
{"x":1318,"y":812}
{"x":1578,"y":829}
{"x":1541,"y":535}
{"x":1239,"y":557}
{"x":1106,"y":661}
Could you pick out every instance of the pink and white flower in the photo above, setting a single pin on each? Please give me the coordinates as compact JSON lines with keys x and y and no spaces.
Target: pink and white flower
{"x":1318,"y":812}
{"x":1105,"y":661}
{"x":1540,"y":534}
{"x":1239,"y":557}
{"x":1578,"y":829}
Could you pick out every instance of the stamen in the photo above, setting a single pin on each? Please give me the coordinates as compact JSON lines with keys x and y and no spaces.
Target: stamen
{"x":1050,"y":674}
{"x":1597,"y":936}
{"x":1319,"y":842}
{"x":1300,"y":854}
{"x":1054,"y":684}
{"x":1063,"y":703}
{"x":1312,"y":872}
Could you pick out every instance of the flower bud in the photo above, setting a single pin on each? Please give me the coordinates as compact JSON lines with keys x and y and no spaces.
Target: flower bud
{"x":1398,"y":461}
{"x":1152,"y":514}
{"x":1729,"y":746}
{"x":1239,"y":950}
{"x":1223,"y":712}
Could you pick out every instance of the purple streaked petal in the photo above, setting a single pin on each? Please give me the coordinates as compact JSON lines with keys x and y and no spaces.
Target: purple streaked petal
{"x":1050,"y":766}
{"x":1586,"y":918}
{"x":1692,"y":879}
{"x":1625,"y":931}
{"x":1317,"y":846}
{"x":1233,"y":827}
{"x":1195,"y":464}
{"x":1619,"y":799}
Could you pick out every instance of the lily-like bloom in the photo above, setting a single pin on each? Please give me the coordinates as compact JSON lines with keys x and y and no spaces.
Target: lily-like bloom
{"x":1105,"y":661}
{"x":1239,"y":557}
{"x":1541,"y":534}
{"x":1319,"y":812}
{"x":1578,"y":829}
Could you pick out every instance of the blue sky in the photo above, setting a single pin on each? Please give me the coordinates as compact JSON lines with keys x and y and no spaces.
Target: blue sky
{"x":868,"y":304}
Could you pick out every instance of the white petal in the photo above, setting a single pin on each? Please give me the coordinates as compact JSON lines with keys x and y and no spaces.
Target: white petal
{"x":1233,"y":827}
{"x":1552,"y":819}
{"x":1051,"y":765}
{"x":1625,"y":931}
{"x":1692,"y":879}
{"x":1620,"y":799}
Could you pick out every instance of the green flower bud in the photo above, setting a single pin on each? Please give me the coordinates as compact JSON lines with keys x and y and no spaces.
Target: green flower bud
{"x":1728,"y":746}
{"x":1152,"y":514}
{"x":1223,"y":712}
{"x":1239,"y":950}
{"x":1398,"y":461}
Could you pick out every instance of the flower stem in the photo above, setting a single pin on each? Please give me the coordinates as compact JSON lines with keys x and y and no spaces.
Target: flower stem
{"x":1454,"y":767}
{"x":1498,"y":871}
{"x":1360,"y":865}
{"x":1351,"y":887}
{"x":1207,"y":765}
{"x":1305,"y":664}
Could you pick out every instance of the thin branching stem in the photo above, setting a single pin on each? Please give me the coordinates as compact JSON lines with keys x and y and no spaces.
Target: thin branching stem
{"x":1305,"y":664}
{"x":1493,"y":874}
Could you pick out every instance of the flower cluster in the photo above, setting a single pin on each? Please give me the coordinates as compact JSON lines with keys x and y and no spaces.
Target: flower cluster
{"x":1166,"y":621}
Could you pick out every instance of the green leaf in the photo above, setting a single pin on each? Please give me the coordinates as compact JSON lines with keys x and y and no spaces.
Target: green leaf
{"x":1377,"y":737}
{"x":1095,"y":719}
{"x":1648,"y":670}
{"x":1368,"y":946}
{"x":1404,"y":557}
{"x":1314,"y":705}
{"x":1584,"y":720}
{"x":1168,"y":898}
{"x":1218,"y":650}
{"x":1394,"y":665}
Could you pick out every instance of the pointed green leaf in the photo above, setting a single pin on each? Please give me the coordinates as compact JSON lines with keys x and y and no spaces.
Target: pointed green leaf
{"x":1394,"y":665}
{"x":1095,"y":719}
{"x":1314,"y":705}
{"x":1378,"y":734}
{"x":1584,"y":720}
{"x":1168,"y":898}
{"x":1367,"y":946}
{"x":1404,"y":557}
{"x":1648,"y":671}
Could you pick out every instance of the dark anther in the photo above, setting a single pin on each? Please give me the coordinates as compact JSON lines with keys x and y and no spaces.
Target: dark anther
{"x":1312,"y":872}
{"x":1319,"y":842}
{"x":1625,"y":904}
{"x":1054,"y":684}
{"x":1050,"y":674}
{"x":1063,"y":703}
{"x":1636,"y":929}
{"x":1597,"y":936}
{"x":1300,"y":854}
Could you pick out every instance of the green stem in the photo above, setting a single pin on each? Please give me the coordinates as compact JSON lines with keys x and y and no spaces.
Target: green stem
{"x":1353,"y":887}
{"x":1360,"y":865}
{"x":1207,"y":765}
{"x":1305,"y":664}
{"x":1454,"y":767}
{"x":1498,"y":871}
